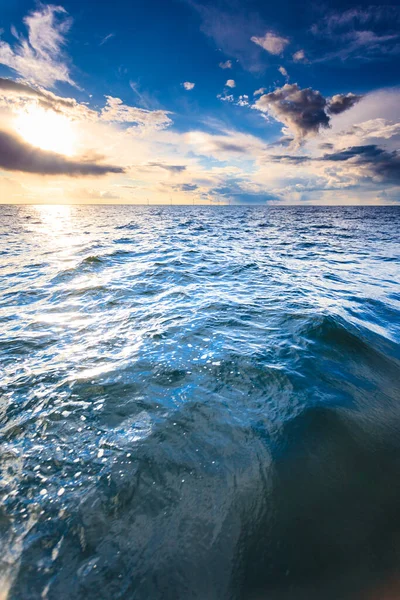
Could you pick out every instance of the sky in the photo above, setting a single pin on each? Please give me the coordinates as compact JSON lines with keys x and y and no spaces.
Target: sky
{"x":199,"y":102}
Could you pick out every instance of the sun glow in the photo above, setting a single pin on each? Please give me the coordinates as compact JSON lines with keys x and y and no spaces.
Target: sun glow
{"x":47,"y":130}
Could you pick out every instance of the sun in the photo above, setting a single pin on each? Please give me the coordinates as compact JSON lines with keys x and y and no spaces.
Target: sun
{"x":47,"y":130}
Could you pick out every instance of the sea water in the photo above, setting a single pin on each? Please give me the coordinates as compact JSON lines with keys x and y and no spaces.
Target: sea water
{"x":199,"y":403}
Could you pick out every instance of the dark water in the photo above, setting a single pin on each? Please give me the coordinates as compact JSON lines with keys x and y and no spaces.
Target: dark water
{"x":199,"y":403}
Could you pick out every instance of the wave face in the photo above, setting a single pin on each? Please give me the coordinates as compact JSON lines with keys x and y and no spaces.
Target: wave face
{"x":199,"y":403}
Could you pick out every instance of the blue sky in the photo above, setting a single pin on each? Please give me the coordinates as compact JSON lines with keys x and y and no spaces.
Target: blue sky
{"x":203,"y":101}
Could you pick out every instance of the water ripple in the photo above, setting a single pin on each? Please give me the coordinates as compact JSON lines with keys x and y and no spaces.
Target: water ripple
{"x":199,"y":402}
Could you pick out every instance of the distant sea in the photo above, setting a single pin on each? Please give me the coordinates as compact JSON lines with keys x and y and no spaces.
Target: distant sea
{"x":199,"y":403}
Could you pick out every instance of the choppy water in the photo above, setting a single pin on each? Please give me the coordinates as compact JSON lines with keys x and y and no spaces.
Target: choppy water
{"x":199,"y":403}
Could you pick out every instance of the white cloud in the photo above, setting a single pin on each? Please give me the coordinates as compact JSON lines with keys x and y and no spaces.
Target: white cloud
{"x":226,"y":97}
{"x":243,"y":100}
{"x":230,"y":83}
{"x":283,"y":71}
{"x":107,"y":38}
{"x":374,"y":120}
{"x":226,"y":142}
{"x":226,"y":65}
{"x":271,"y":42}
{"x":40,"y":57}
{"x":144,"y":120}
{"x":259,"y":92}
{"x":299,"y":56}
{"x":188,"y":85}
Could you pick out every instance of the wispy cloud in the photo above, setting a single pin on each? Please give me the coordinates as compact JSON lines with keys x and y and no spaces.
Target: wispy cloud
{"x":40,"y":58}
{"x":166,"y":167}
{"x":360,"y":33}
{"x":225,"y":65}
{"x":141,"y":119}
{"x":231,"y":26}
{"x":107,"y":38}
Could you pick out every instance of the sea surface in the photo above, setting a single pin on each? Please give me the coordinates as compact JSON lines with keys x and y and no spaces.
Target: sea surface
{"x":199,"y":403}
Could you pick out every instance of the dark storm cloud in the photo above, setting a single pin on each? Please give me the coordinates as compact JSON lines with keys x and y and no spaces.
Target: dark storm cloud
{"x":17,"y":155}
{"x":303,"y":111}
{"x":341,"y":102}
{"x":171,"y":168}
{"x":373,"y":161}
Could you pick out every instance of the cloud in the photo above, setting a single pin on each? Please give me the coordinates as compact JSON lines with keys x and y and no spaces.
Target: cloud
{"x":362,"y":162}
{"x":19,"y":96}
{"x":40,"y":57}
{"x":230,"y":83}
{"x":226,"y":97}
{"x":259,"y":92}
{"x":243,"y":100}
{"x":170,"y":168}
{"x":226,"y":143}
{"x":144,"y":120}
{"x":107,"y":38}
{"x":283,"y":72}
{"x":289,"y":159}
{"x":231,"y":25}
{"x":225,"y":65}
{"x":326,"y":146}
{"x":341,"y":102}
{"x":373,"y":161}
{"x":360,"y":33}
{"x":186,"y":187}
{"x":94,"y":195}
{"x":299,"y":56}
{"x":188,"y":85}
{"x":17,"y":155}
{"x":375,"y":128}
{"x":109,"y":196}
{"x":19,"y":92}
{"x":271,"y":42}
{"x":303,"y":111}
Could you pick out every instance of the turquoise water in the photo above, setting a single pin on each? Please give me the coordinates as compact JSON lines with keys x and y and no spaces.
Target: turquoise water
{"x":199,"y":403}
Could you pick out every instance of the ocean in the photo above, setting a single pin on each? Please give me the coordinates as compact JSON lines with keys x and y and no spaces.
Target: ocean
{"x":199,"y":403}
